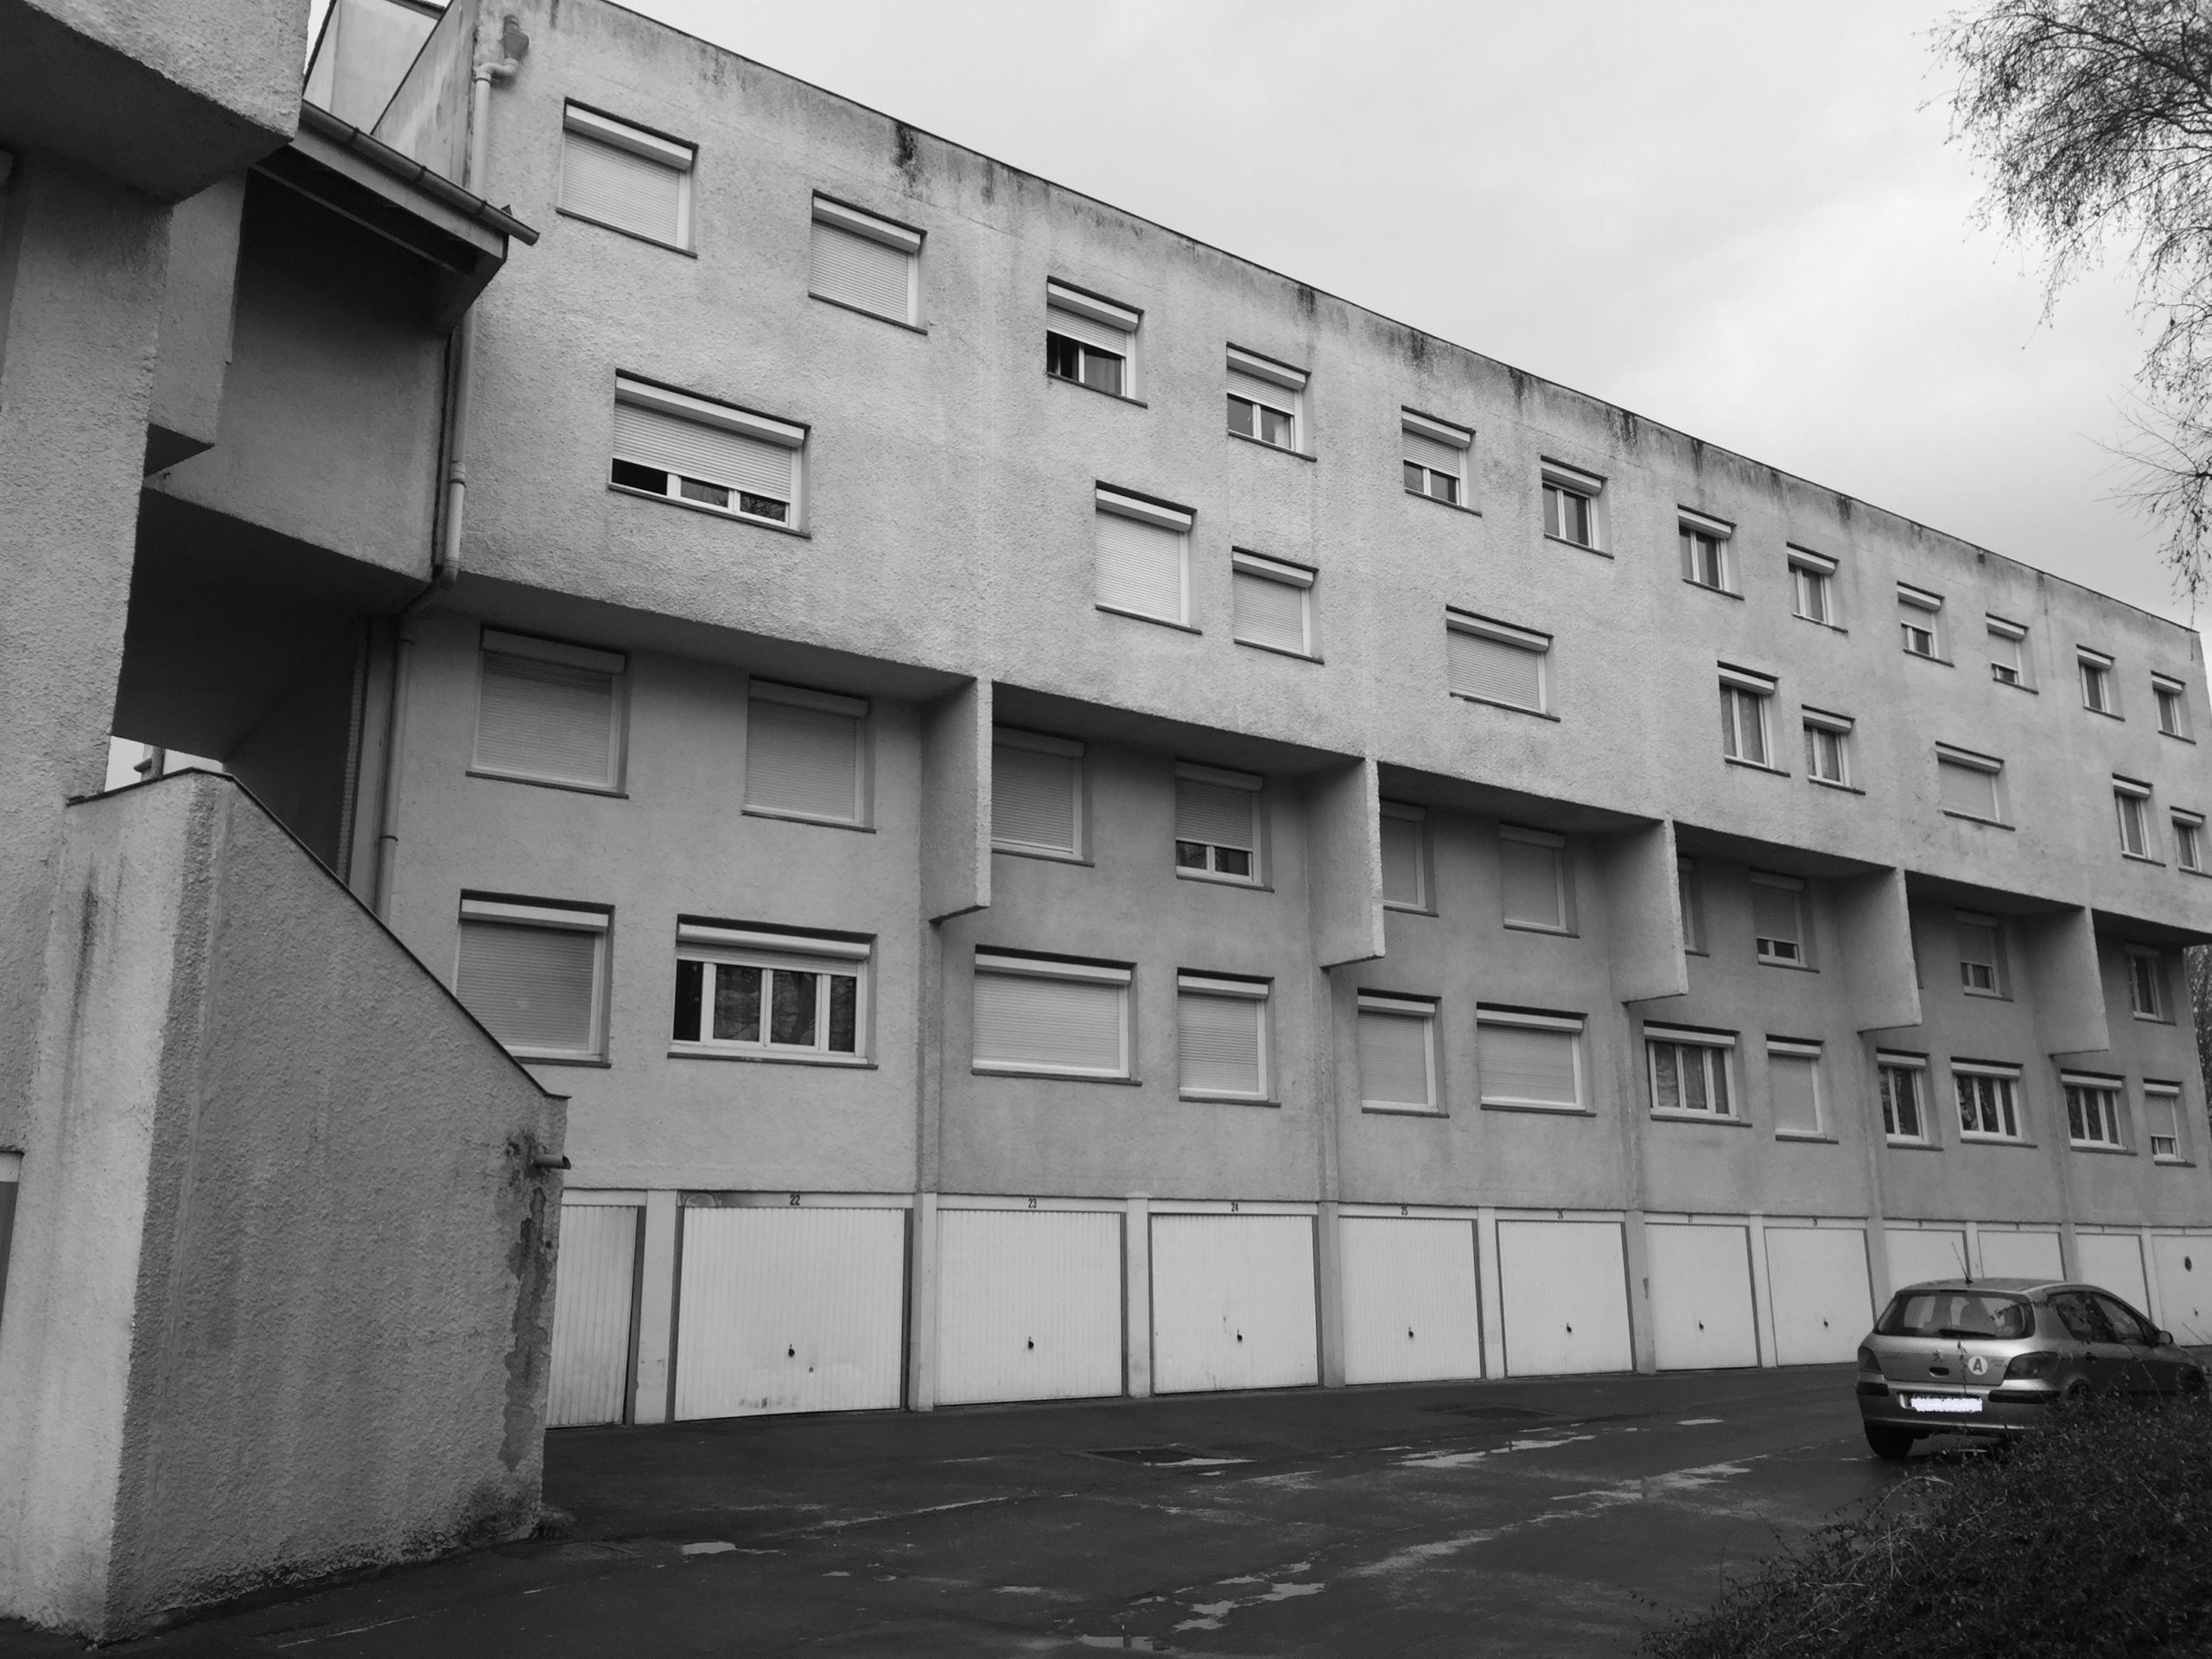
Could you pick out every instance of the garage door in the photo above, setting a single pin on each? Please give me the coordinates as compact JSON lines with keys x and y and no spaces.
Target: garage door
{"x":1029,"y":1304}
{"x":1701,"y":1315}
{"x":1232,"y":1302}
{"x":1917,"y":1257}
{"x":2021,"y":1256}
{"x":593,"y":1296}
{"x":1822,"y":1309}
{"x":790,"y":1310}
{"x":1564,"y":1286}
{"x":2184,"y":1270}
{"x":1412,"y":1312}
{"x":2115,"y":1260}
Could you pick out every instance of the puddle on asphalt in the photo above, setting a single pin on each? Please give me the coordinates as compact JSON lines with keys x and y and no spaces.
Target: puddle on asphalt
{"x":1165,"y":1457}
{"x":1696,"y":1422}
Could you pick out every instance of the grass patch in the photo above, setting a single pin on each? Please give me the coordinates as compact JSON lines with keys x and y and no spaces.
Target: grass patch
{"x":2091,"y":1538}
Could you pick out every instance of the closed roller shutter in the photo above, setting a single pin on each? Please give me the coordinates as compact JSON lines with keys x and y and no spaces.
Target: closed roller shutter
{"x":593,"y":1312}
{"x":1529,"y":874}
{"x":1794,"y":1089}
{"x":1480,"y":666}
{"x":1033,"y":799}
{"x":1530,"y":1066}
{"x":2021,"y":1256}
{"x":1701,"y":1317}
{"x":1822,"y":1306}
{"x":1412,"y":1313}
{"x":1774,"y":916}
{"x":803,"y":760}
{"x":534,"y":987}
{"x":546,"y":720}
{"x":1214,"y":813}
{"x":1918,"y":1255}
{"x":1140,"y":566}
{"x":859,"y":270}
{"x":1266,"y":613}
{"x":620,"y":188}
{"x":1394,"y":1059}
{"x":1402,"y":871}
{"x":1967,"y":789}
{"x":1062,"y":1024}
{"x":1089,"y":330}
{"x":1252,"y":389}
{"x":1029,"y":1304}
{"x":694,"y":450}
{"x":1232,"y":1303}
{"x":1428,"y":452}
{"x":1218,"y":1043}
{"x":2115,"y":1260}
{"x":1564,"y":1289}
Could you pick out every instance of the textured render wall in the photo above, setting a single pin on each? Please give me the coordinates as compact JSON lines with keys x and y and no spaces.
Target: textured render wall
{"x":283,"y":1267}
{"x":197,"y":311}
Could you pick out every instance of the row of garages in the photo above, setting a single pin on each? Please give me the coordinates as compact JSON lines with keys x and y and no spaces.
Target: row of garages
{"x":790,"y":1306}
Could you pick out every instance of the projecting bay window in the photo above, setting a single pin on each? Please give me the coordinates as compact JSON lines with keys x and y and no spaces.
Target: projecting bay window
{"x":769,"y":995}
{"x":1989,"y":1099}
{"x":1981,"y":955}
{"x":2093,"y":669}
{"x":1530,"y":1060}
{"x":1969,"y":786}
{"x":1708,"y":560}
{"x":2188,"y":840}
{"x":2092,"y":1110}
{"x":1920,"y":618}
{"x":706,"y":453}
{"x":1570,"y":501}
{"x":2172,"y":697}
{"x":1144,"y":556}
{"x":1688,"y":1067}
{"x":1271,"y":604}
{"x":1435,"y":457}
{"x":1812,"y":586}
{"x":1828,"y":748}
{"x":548,"y":713}
{"x":1405,"y":857}
{"x":1779,"y":921}
{"x":1266,"y":399}
{"x":870,"y":264}
{"x":2162,"y":1121}
{"x":626,"y":178}
{"x":1217,"y":823}
{"x":2130,"y":801}
{"x":1903,"y":1082}
{"x":1486,"y":661}
{"x":1746,"y":735}
{"x":2146,"y":982}
{"x":1221,"y":1037}
{"x":535,"y":973}
{"x":1534,"y":888}
{"x":806,"y":755}
{"x":1794,"y":1090}
{"x":1398,"y":1053}
{"x":1090,"y":340}
{"x":2008,"y":652}
{"x":1036,"y":794}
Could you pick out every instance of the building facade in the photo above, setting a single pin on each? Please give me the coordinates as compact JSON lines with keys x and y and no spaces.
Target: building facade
{"x":1075,"y":817}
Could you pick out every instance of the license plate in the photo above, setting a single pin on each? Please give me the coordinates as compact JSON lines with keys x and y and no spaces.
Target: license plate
{"x":1955,"y":1404}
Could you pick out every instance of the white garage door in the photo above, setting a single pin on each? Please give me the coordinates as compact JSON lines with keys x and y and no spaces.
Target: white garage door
{"x":1564,"y":1285}
{"x":594,"y":1295}
{"x":1029,"y":1304}
{"x":1232,"y":1302}
{"x":2115,"y":1260}
{"x":1701,"y":1315}
{"x":790,"y":1310}
{"x":1918,"y":1256}
{"x":2185,"y":1270}
{"x":1822,"y":1309}
{"x":1412,"y":1312}
{"x":2021,"y":1256}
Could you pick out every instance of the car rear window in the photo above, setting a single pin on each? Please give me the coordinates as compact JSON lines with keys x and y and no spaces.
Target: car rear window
{"x":1957,"y":1314}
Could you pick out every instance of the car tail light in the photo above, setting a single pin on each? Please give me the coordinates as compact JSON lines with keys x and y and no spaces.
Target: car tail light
{"x":1867,"y":1360}
{"x":2036,"y":1364}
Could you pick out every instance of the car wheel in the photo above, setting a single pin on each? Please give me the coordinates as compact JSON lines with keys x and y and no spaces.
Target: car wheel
{"x":2192,"y":1382}
{"x":1893,"y":1444}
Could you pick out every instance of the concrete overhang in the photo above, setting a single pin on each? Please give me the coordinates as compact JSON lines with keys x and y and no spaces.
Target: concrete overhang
{"x":1477,"y":800}
{"x":396,"y":197}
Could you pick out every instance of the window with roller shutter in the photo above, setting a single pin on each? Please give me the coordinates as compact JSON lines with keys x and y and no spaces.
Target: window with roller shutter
{"x":626,"y":178}
{"x":1778,"y":921}
{"x":1487,"y":661}
{"x":1970,"y":785}
{"x":770,"y":993}
{"x":1271,"y":604}
{"x":1090,"y":340}
{"x":806,"y":754}
{"x":1266,"y":399}
{"x":1217,"y":823}
{"x":1533,"y":886}
{"x":1143,"y":557}
{"x":1398,"y":1053}
{"x":548,"y":713}
{"x":1053,"y":1015}
{"x":535,"y":973}
{"x":869,"y":263}
{"x":1036,"y":794}
{"x":1435,"y":457}
{"x":1793,"y":1086}
{"x":706,"y":453}
{"x":1529,"y":1058}
{"x":1689,"y":1072}
{"x":1221,"y":1037}
{"x":1405,"y":856}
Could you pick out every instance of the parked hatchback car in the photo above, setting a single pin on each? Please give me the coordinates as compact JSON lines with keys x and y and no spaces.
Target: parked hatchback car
{"x":1989,"y":1355}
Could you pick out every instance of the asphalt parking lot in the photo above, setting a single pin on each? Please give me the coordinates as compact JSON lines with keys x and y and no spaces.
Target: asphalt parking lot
{"x":1487,"y":1518}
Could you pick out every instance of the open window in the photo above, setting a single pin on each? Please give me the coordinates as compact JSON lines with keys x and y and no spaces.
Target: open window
{"x":706,"y":453}
{"x":1090,"y":340}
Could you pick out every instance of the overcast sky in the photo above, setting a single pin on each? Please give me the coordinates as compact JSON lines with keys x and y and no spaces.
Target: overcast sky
{"x":1738,"y":218}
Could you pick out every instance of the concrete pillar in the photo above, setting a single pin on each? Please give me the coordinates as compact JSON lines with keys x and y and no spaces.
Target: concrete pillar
{"x":921,"y":1305}
{"x":1136,"y":1301}
{"x":1329,"y":1288}
{"x":1762,"y":1293}
{"x":656,"y":1311}
{"x":1493,"y":1292}
{"x":1642,"y":1339}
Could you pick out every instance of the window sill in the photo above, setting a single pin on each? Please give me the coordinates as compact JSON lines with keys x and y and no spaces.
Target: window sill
{"x":2191,"y":870}
{"x":2103,"y":714}
{"x":1054,"y":1076}
{"x":1987,"y":996}
{"x":1539,"y":1107}
{"x":1808,"y":1139}
{"x":1229,"y":1100}
{"x":1830,"y":783}
{"x":1274,"y":448}
{"x":1970,"y":1140}
{"x":1515,"y":708}
{"x":1969,"y":817}
{"x":1047,"y":857}
{"x":2149,"y":1019}
{"x":607,"y":790}
{"x":1279,"y":650}
{"x":1540,"y":927}
{"x":1409,"y":909}
{"x":1896,"y":1145}
{"x":723,"y":513}
{"x":2178,"y":737}
{"x":2098,"y":1146}
{"x":1755,"y":766}
{"x":1729,"y":1122}
{"x":1376,"y":1108}
{"x":806,"y":817}
{"x":707,"y":1052}
{"x":1833,"y":628}
{"x":635,"y":236}
{"x":1096,"y":391}
{"x":1439,"y":501}
{"x":862,"y":311}
{"x":1708,"y":587}
{"x":2143,"y":858}
{"x":1925,"y":657}
{"x":1145,"y":616}
{"x":2175,"y":1163}
{"x":1211,"y":879}
{"x":527,"y":1058}
{"x":1580,"y":546}
{"x":2015,"y":685}
{"x":1793,"y":967}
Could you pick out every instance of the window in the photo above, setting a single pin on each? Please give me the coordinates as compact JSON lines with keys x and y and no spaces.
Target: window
{"x":1398,"y":1053}
{"x":2096,"y":671}
{"x":1812,"y":586}
{"x":1264,"y":397}
{"x":1708,"y":559}
{"x":1570,"y":499}
{"x":806,"y":756}
{"x":1689,"y":1070}
{"x":1528,"y":1058}
{"x":625,"y":177}
{"x":535,"y":973}
{"x":1436,"y":456}
{"x":2092,"y":1108}
{"x":1744,"y":698}
{"x":2172,"y":698}
{"x":1920,"y":615}
{"x":1828,"y":748}
{"x":1217,"y":823}
{"x":2132,"y":804}
{"x":549,"y":713}
{"x":2146,"y":982}
{"x":1405,"y":857}
{"x":1143,"y":557}
{"x":1271,"y":603}
{"x":1088,"y":339}
{"x":1051,"y":1015}
{"x":1903,"y":1118}
{"x":1036,"y":794}
{"x":1691,"y":891}
{"x":708,"y":455}
{"x":1778,"y":921}
{"x":1970,"y":785}
{"x":1981,"y":955}
{"x":2008,"y":652}
{"x":1793,"y":1086}
{"x":2188,"y":840}
{"x":1221,"y":1036}
{"x":869,"y":263}
{"x":2162,"y":1116}
{"x":1494,"y":661}
{"x":1532,"y":880}
{"x":749,"y":990}
{"x":1988,"y":1109}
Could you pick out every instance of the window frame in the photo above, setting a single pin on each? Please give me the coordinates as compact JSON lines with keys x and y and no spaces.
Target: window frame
{"x":792,"y":436}
{"x":1690,"y":892}
{"x":1716,"y":1051}
{"x":2099,"y":685}
{"x":2157,"y":1090}
{"x":2131,"y":800}
{"x":1562,"y":875}
{"x":1695,"y":532}
{"x":1930,"y":604}
{"x":2000,"y":987}
{"x":1423,"y":902}
{"x":1242,"y":562}
{"x":1800,"y":904}
{"x":1889,"y":1065}
{"x":679,"y":157}
{"x":2082,"y":1126}
{"x":1574,"y":1025}
{"x":546,"y":915}
{"x":1838,"y":728}
{"x":1289,"y":378}
{"x":872,"y":227}
{"x":1397,"y":1006}
{"x":1451,"y":435}
{"x":2188,"y":839}
{"x":1559,"y":479}
{"x":1971,"y":761}
{"x":2006,"y":1099}
{"x":1126,"y":504}
{"x":1740,"y":686}
{"x":615,"y":665}
{"x":2015,"y":633}
{"x":1806,"y":1049}
{"x":716,"y":945}
{"x":2170,"y":696}
{"x":1012,"y":737}
{"x":1815,"y":573}
{"x":1227,"y":986}
{"x":2149,"y":997}
{"x":1252,"y":784}
{"x":1014,"y":964}
{"x":1536,"y":644}
{"x":1124,"y":320}
{"x":860,"y":711}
